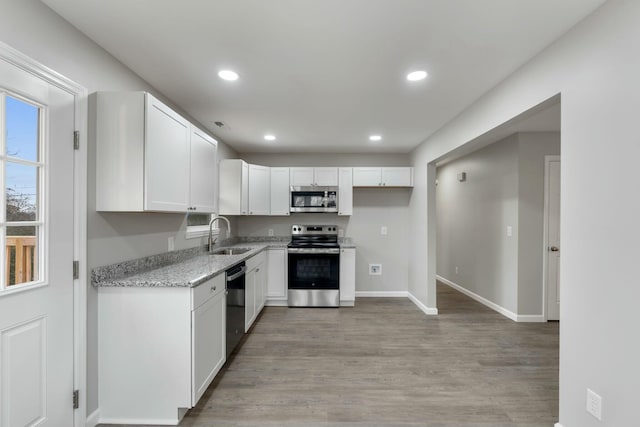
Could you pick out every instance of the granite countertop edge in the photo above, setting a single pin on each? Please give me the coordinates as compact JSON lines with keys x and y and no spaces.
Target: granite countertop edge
{"x":186,"y":270}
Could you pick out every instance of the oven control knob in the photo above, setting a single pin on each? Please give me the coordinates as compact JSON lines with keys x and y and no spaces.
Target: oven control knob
{"x":313,"y":284}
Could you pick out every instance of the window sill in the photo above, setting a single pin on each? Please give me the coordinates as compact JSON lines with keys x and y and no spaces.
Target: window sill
{"x":195,"y":232}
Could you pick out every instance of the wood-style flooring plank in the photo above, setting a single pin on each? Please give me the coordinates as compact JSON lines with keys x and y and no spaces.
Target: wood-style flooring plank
{"x":384,"y":363}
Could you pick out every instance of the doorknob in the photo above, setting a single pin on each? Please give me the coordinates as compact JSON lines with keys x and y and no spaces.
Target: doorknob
{"x":554,"y":249}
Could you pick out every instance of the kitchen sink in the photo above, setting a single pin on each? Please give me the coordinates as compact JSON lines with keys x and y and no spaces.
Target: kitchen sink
{"x":231,"y":251}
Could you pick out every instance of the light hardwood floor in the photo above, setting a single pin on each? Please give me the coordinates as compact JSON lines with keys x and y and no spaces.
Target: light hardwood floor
{"x":384,"y":363}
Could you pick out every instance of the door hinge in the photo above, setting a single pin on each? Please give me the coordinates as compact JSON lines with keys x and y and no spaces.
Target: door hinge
{"x":76,"y":399}
{"x":76,"y":139}
{"x":76,"y":270}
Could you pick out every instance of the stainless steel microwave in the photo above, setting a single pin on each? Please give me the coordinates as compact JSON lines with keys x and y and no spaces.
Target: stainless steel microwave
{"x":314,"y":199}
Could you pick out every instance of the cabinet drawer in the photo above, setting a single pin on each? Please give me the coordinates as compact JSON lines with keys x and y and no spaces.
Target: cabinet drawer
{"x":256,"y":260}
{"x":203,"y":292}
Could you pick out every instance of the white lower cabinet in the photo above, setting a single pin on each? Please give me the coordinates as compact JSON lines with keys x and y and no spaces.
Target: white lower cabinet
{"x":347,"y":276}
{"x":277,"y":276}
{"x":208,"y":338}
{"x":255,"y":292}
{"x":159,"y":349}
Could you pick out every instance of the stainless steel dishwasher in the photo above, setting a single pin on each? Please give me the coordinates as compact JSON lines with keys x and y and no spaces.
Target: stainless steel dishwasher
{"x":235,"y":305}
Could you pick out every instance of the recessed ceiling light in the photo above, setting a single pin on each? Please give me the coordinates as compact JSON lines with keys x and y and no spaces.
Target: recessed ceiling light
{"x":270,"y":137}
{"x":414,"y":76}
{"x":228,"y":75}
{"x":375,"y":138}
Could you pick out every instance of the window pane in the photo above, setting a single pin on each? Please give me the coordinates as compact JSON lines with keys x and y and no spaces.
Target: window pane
{"x":21,"y":264}
{"x":197,"y":219}
{"x":22,"y":192}
{"x":22,"y":129}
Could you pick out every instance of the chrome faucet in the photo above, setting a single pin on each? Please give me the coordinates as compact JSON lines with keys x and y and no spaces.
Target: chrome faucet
{"x":211,"y":239}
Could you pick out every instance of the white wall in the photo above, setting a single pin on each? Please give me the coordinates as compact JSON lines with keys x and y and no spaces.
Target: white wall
{"x":595,"y":67}
{"x":372,"y":209}
{"x":472,"y":218}
{"x":504,"y":188}
{"x":32,"y":28}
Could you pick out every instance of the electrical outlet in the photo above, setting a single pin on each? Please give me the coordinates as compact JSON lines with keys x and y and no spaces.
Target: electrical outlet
{"x":509,"y":231}
{"x":383,"y":230}
{"x":456,"y":269}
{"x":340,"y":232}
{"x":375,"y":269}
{"x":594,"y":404}
{"x":271,"y":232}
{"x":171,"y":243}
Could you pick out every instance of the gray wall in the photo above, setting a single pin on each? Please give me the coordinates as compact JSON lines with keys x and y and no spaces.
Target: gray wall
{"x":33,"y":29}
{"x":595,"y":68}
{"x":472,"y":220}
{"x":372,"y":209}
{"x":504,"y":187}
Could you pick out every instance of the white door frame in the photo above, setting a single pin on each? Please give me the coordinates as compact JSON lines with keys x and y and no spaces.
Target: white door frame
{"x":79,"y":93}
{"x":545,"y":240}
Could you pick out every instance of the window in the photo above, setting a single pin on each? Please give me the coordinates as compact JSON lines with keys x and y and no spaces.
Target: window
{"x":22,"y":216}
{"x":198,"y":225}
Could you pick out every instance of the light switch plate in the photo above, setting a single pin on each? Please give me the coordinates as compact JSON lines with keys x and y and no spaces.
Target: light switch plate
{"x":383,"y":230}
{"x":375,"y":269}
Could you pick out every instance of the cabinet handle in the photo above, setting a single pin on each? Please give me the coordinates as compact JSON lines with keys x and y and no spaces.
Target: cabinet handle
{"x":226,"y":292}
{"x":213,"y":288}
{"x":257,"y":269}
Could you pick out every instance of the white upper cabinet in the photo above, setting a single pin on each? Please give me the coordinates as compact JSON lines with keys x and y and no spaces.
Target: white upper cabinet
{"x":345,"y":192}
{"x":143,"y":160}
{"x":234,"y":187}
{"x":323,"y":177}
{"x":280,"y":191}
{"x":203,"y":172}
{"x":259,"y":193}
{"x":383,"y":177}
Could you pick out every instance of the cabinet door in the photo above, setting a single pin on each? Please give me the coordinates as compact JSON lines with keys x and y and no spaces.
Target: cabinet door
{"x":326,"y":177}
{"x":203,"y":172}
{"x":208,"y":343}
{"x":166,"y":183}
{"x":280,"y":191}
{"x":345,"y":191}
{"x":259,"y":194}
{"x":249,"y":299}
{"x":260,"y":288}
{"x":367,"y":177}
{"x":301,"y":177}
{"x":347,"y":276}
{"x":397,"y":177}
{"x":244,"y":189}
{"x":277,"y":274}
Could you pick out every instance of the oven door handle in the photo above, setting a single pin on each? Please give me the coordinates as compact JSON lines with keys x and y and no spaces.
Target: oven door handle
{"x":319,"y":251}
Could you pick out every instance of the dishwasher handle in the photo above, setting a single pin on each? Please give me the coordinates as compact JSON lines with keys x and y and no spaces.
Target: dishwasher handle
{"x":233,"y":277}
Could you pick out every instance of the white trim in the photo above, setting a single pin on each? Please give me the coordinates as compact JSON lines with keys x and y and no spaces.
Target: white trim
{"x":430,"y":311}
{"x":557,"y":425}
{"x":276,"y":303}
{"x":525,"y":318}
{"x":545,"y":234}
{"x":93,"y":419}
{"x":530,"y":318}
{"x":138,"y":421}
{"x":482,"y":300}
{"x":382,"y":294}
{"x":33,"y":67}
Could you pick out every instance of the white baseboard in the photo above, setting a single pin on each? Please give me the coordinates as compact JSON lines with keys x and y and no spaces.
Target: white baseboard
{"x":382,"y":294}
{"x":276,"y":303}
{"x":347,"y":303}
{"x":93,"y":419}
{"x":482,"y":300}
{"x":530,"y":318}
{"x":430,"y":311}
{"x":557,"y":425}
{"x":136,"y":421}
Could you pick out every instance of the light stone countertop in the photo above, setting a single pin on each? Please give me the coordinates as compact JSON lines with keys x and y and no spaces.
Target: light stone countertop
{"x":190,"y":272}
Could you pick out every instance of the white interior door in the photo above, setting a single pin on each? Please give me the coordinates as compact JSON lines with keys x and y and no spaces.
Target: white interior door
{"x":37,"y":235}
{"x":553,"y":237}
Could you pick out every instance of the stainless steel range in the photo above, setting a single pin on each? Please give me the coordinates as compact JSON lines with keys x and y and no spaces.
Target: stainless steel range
{"x":314,"y":266}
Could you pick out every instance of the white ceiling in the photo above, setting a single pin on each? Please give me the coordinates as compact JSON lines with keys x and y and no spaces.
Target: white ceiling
{"x":322,"y":75}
